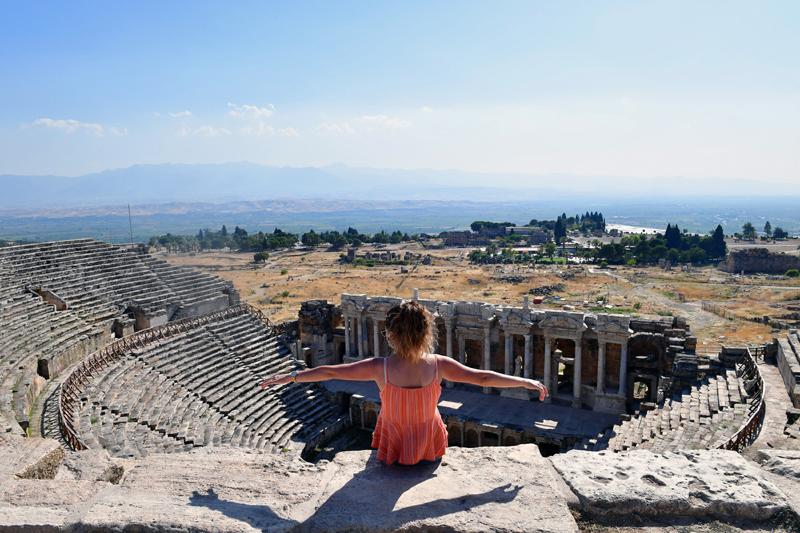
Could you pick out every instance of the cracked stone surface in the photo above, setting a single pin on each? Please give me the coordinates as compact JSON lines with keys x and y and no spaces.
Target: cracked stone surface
{"x":505,"y":489}
{"x":713,"y":483}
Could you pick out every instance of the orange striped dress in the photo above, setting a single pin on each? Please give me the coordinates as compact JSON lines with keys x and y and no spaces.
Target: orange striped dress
{"x":409,"y":427}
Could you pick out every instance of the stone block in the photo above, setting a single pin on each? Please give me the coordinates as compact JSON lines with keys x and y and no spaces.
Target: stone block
{"x":707,"y":483}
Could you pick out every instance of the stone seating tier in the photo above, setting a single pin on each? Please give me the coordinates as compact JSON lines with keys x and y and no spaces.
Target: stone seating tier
{"x":196,"y":389}
{"x":703,"y":417}
{"x":98,"y":282}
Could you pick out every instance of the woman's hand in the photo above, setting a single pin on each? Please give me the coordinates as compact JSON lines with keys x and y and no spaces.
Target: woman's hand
{"x":277,"y":379}
{"x":537,"y":385}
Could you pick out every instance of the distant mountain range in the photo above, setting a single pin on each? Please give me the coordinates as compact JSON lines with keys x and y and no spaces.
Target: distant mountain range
{"x":243,"y":181}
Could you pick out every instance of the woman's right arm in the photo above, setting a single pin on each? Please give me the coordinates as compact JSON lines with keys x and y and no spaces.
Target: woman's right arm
{"x":452,"y":370}
{"x":367,"y":370}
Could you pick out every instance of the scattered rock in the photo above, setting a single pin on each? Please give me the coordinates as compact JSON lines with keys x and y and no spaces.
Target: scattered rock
{"x":713,"y":483}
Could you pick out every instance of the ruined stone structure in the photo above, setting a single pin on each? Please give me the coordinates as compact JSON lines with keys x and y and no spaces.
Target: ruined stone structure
{"x":388,"y":256}
{"x":59,"y":301}
{"x":789,"y":364}
{"x":751,"y":260}
{"x":587,"y":359}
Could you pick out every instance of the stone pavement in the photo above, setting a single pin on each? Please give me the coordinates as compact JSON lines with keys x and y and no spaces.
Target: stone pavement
{"x":508,"y":489}
{"x":546,"y":419}
{"x":777,"y":401}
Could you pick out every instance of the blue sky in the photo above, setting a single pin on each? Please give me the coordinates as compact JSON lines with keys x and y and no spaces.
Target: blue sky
{"x":694,"y":89}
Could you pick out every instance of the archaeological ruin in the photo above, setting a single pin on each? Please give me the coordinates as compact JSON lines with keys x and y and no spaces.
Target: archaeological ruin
{"x":143,"y":378}
{"x":752,"y":260}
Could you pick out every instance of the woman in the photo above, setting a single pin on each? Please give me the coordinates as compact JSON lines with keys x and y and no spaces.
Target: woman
{"x":409,"y":427}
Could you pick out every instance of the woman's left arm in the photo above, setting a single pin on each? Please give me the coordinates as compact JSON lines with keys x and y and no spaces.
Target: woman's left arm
{"x":367,"y":370}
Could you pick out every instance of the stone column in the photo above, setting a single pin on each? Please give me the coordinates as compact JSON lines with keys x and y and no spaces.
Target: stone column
{"x":528,"y":369}
{"x":623,"y":371}
{"x":548,"y":367}
{"x":347,"y":336}
{"x":576,"y":376}
{"x":462,"y":351}
{"x":487,"y":356}
{"x":449,"y":329}
{"x":377,"y":334}
{"x":601,"y":367}
{"x":509,"y":369}
{"x":353,"y":336}
{"x":360,"y":324}
{"x":365,"y":336}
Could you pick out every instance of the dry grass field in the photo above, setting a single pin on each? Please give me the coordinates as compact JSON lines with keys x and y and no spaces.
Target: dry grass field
{"x":291,"y":277}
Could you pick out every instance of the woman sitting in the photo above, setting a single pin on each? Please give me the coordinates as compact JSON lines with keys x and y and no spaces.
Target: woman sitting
{"x":409,"y":427}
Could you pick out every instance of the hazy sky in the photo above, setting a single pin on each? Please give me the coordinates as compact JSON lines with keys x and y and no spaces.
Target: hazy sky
{"x":694,"y":89}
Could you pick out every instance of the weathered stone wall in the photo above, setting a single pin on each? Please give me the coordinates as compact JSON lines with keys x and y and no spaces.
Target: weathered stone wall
{"x":759,"y":260}
{"x":317,"y":318}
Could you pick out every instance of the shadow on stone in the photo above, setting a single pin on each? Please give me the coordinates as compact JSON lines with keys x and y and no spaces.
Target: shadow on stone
{"x":256,"y":515}
{"x":390,"y":498}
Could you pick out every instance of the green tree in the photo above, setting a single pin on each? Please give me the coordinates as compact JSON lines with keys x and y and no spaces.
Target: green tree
{"x":260,"y":256}
{"x":491,"y":248}
{"x":780,"y":233}
{"x":749,"y":232}
{"x":550,"y":249}
{"x":224,"y":231}
{"x":718,"y":248}
{"x":311,"y":238}
{"x":793,"y":273}
{"x":768,"y":230}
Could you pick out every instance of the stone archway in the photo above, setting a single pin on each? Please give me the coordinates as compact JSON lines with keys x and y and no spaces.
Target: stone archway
{"x":454,"y":435}
{"x":647,"y":351}
{"x":471,"y":440}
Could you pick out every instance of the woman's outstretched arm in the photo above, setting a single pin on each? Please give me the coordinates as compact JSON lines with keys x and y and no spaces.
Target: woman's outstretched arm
{"x":452,"y":370}
{"x":367,"y":370}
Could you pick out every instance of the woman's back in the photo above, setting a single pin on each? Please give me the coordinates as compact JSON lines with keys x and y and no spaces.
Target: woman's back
{"x":409,"y":427}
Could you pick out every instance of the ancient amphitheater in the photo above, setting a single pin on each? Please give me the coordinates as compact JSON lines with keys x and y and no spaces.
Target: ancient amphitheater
{"x":143,"y":377}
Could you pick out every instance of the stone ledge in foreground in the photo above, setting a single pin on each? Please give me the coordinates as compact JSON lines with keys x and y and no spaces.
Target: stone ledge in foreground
{"x":217,"y":489}
{"x":699,"y":483}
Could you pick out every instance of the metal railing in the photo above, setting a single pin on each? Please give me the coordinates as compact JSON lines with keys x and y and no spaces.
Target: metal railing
{"x":747,"y":369}
{"x":73,"y":385}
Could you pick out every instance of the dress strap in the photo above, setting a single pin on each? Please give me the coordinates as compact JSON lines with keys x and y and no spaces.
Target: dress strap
{"x":385,"y":375}
{"x":436,"y":365}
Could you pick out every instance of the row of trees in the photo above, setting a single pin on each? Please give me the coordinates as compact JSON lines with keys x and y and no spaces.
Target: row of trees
{"x":749,"y":232}
{"x":207,"y":239}
{"x":240,"y":240}
{"x":673,"y":245}
{"x":353,"y":237}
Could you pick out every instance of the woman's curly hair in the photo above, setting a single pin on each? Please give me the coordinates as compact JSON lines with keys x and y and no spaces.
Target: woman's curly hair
{"x":411,"y":326}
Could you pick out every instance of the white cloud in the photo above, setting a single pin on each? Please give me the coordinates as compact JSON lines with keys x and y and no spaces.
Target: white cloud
{"x":328,"y":127}
{"x":289,"y":132}
{"x":250,"y":111}
{"x":257,"y":130}
{"x":69,"y":126}
{"x":181,"y":114}
{"x":272,"y":106}
{"x":210,"y":131}
{"x":427,"y":109}
{"x":204,"y":131}
{"x":344,"y":128}
{"x":386,"y":121}
{"x":116,"y":132}
{"x":157,"y":114}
